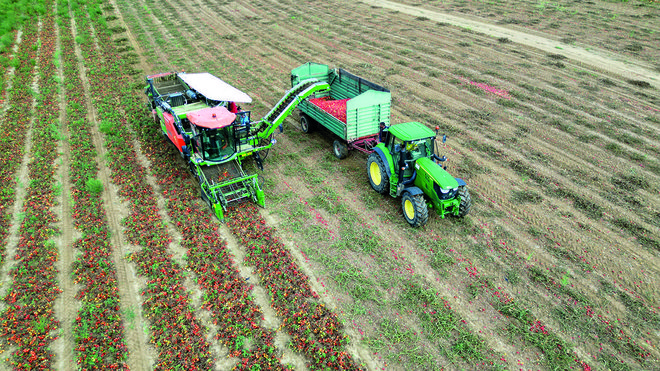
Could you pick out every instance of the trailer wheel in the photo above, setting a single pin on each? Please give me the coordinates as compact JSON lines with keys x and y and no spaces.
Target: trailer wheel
{"x":305,"y":124}
{"x":377,"y":174}
{"x":466,"y":201}
{"x":414,"y":209}
{"x":340,"y":149}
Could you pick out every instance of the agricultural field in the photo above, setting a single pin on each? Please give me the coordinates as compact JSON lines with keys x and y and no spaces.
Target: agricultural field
{"x":109,"y":259}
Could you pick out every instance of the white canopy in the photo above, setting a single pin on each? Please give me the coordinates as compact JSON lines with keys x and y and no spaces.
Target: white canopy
{"x":213,"y":88}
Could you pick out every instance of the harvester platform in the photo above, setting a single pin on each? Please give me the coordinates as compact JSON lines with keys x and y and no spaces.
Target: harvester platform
{"x":231,"y":179}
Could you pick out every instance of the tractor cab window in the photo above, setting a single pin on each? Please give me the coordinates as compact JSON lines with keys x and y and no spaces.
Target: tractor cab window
{"x":392,"y":141}
{"x":217,"y":144}
{"x":242,"y":125}
{"x":419,"y":148}
{"x":242,"y":118}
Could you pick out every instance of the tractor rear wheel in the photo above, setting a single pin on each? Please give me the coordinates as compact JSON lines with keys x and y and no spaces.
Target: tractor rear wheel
{"x":466,"y":201}
{"x":378,"y":177}
{"x":414,"y":209}
{"x":341,"y":149}
{"x":305,"y":124}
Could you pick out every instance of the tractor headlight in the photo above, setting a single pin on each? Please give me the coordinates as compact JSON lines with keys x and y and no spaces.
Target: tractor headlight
{"x":445,"y":193}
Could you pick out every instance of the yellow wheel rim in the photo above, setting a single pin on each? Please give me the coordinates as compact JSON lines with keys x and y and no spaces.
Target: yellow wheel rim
{"x":374,"y":170}
{"x":409,"y":209}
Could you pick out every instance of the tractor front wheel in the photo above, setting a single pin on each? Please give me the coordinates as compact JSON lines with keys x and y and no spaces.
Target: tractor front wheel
{"x":378,"y":177}
{"x":340,"y":149}
{"x":305,"y":124}
{"x":466,"y":201}
{"x":414,"y":209}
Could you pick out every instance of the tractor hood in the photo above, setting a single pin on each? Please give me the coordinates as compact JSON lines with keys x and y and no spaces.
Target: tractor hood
{"x":211,"y":118}
{"x":439,"y":175}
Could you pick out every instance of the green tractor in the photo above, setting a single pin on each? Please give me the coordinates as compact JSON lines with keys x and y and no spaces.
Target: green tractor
{"x":405,"y":163}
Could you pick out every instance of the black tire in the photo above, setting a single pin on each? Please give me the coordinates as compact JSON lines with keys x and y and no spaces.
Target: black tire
{"x":466,"y":201}
{"x":305,"y":124}
{"x":340,"y":149}
{"x":414,"y":209}
{"x":377,"y":174}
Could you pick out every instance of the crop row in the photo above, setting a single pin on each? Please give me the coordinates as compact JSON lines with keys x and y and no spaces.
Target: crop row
{"x":14,"y":123}
{"x":28,"y":320}
{"x":98,"y":331}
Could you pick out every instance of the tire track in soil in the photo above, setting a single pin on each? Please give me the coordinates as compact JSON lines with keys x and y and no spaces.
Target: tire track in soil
{"x":66,"y":306}
{"x":144,"y":66}
{"x":261,"y":298}
{"x":598,"y":58}
{"x":9,"y":74}
{"x":141,"y":354}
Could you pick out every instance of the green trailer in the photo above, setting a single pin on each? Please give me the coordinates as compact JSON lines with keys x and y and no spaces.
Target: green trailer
{"x":353,"y":109}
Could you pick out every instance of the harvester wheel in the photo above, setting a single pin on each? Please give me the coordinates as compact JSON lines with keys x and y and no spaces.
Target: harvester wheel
{"x":378,"y":177}
{"x":340,"y":149}
{"x":414,"y":209}
{"x":305,"y":124}
{"x":466,"y":201}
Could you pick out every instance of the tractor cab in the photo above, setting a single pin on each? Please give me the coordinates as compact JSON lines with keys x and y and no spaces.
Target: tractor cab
{"x":407,"y":143}
{"x":213,"y":134}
